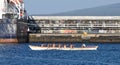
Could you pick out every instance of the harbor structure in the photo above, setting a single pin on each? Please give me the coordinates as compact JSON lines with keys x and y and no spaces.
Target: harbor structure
{"x":17,"y":27}
{"x":74,"y":28}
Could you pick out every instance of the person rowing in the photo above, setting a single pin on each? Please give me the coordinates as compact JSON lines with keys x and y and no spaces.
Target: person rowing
{"x":83,"y":45}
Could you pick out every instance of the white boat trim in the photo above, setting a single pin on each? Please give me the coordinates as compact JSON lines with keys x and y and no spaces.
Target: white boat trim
{"x":62,"y":48}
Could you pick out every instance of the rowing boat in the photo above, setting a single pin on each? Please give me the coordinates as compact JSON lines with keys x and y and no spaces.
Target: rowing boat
{"x":63,"y":48}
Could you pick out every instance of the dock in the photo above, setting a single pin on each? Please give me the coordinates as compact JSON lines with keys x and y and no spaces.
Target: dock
{"x":74,"y":38}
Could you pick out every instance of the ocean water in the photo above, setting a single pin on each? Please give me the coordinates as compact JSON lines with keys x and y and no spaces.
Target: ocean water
{"x":21,"y":54}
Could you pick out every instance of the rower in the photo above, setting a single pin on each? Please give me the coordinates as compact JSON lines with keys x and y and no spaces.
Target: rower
{"x":64,"y":46}
{"x":71,"y":46}
{"x":59,"y":46}
{"x":83,"y":45}
{"x":42,"y":45}
{"x":53,"y":45}
{"x":48,"y":46}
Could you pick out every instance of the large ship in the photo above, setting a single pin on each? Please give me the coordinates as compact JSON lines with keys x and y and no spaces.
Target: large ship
{"x":11,"y":11}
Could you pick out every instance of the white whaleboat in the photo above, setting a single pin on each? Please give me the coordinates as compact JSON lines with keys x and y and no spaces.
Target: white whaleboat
{"x":83,"y":47}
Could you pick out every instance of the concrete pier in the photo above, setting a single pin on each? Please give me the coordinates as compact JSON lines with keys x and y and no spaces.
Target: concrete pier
{"x":74,"y":38}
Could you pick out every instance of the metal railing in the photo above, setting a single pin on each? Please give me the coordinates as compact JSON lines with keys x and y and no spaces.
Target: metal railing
{"x":79,"y":25}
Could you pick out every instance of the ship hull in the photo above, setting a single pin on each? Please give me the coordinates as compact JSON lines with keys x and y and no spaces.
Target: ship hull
{"x":11,"y":31}
{"x":8,"y":28}
{"x":8,"y":41}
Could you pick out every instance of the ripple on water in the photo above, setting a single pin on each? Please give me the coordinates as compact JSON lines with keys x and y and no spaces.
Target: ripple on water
{"x":21,"y":54}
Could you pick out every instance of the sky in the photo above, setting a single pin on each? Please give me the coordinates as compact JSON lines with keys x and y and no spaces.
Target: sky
{"x":57,"y":6}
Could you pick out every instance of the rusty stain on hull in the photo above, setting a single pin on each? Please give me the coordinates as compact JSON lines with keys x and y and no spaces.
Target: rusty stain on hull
{"x":8,"y":41}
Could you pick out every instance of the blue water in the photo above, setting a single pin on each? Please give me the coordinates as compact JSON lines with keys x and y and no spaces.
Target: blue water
{"x":21,"y":54}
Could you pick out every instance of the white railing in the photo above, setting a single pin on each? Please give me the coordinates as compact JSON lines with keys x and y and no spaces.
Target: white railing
{"x":79,"y":25}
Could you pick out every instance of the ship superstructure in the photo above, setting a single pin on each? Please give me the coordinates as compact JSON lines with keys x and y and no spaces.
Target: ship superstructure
{"x":14,"y":8}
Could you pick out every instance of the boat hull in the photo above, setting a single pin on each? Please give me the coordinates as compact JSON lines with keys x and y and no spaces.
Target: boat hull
{"x":67,"y":48}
